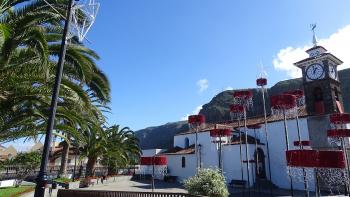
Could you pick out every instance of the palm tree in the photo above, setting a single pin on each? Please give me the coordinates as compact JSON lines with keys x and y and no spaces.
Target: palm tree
{"x":30,"y":34}
{"x":114,"y":146}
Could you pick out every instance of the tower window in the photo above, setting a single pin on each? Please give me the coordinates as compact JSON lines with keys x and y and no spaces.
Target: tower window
{"x":318,"y":95}
{"x":183,"y":162}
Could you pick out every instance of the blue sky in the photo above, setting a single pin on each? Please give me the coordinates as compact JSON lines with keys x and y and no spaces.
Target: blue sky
{"x":166,"y":58}
{"x":155,"y":51}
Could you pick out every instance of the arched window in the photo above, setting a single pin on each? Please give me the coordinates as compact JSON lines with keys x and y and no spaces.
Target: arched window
{"x":183,"y":162}
{"x":187,"y":142}
{"x":319,"y":104}
{"x":318,"y":94}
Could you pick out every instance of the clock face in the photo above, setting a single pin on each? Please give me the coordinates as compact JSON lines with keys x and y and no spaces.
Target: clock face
{"x":332,"y":72}
{"x":315,"y":71}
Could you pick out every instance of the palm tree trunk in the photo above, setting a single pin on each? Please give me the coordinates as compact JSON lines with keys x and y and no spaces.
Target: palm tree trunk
{"x":64,"y":159}
{"x":90,"y":166}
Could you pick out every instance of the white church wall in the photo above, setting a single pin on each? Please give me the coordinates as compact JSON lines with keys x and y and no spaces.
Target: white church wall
{"x":179,"y":140}
{"x":150,"y":152}
{"x":175,"y":166}
{"x":277,"y":148}
{"x":232,"y":163}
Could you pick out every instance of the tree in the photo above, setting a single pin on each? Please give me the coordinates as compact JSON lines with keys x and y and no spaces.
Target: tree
{"x":123,"y":148}
{"x":207,"y":182}
{"x":26,"y":163}
{"x":114,"y":146}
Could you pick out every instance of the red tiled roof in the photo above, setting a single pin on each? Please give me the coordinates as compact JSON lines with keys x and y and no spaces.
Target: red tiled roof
{"x":233,"y":124}
{"x":180,"y":151}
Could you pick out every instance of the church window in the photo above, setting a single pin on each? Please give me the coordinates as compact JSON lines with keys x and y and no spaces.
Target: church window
{"x":183,"y":162}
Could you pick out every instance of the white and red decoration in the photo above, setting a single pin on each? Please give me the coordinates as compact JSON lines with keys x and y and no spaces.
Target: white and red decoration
{"x":158,"y":162}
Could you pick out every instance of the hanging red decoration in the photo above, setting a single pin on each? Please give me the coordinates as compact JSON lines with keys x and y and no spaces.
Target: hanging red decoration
{"x":261,"y":82}
{"x":338,"y":133}
{"x":196,"y":119}
{"x":146,"y":160}
{"x":244,"y":98}
{"x":283,"y":101}
{"x":236,"y":111}
{"x":235,"y":108}
{"x":315,"y":158}
{"x":302,"y":143}
{"x":331,"y":159}
{"x":158,"y":160}
{"x":254,"y":126}
{"x":340,"y":118}
{"x":220,"y":132}
{"x":297,"y":93}
{"x":243,"y":94}
{"x":302,"y":158}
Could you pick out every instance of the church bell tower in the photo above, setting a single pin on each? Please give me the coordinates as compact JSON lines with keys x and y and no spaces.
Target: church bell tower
{"x":322,"y":91}
{"x":320,"y":81}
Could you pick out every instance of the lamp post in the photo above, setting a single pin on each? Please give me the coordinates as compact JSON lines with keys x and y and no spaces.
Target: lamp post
{"x":42,"y":177}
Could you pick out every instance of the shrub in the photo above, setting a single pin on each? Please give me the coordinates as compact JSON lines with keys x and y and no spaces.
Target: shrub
{"x":207,"y":182}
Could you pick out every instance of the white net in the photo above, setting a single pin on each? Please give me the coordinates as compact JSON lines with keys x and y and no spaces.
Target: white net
{"x":334,"y":141}
{"x":279,"y":112}
{"x":196,"y":126}
{"x":237,"y":115}
{"x":301,"y":174}
{"x":334,"y":178}
{"x":84,"y":14}
{"x":247,"y":102}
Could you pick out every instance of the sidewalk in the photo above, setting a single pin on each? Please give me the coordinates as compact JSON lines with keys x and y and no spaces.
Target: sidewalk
{"x":128,"y":185}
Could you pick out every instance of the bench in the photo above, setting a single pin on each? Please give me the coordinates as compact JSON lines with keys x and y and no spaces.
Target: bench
{"x":237,"y":183}
{"x":99,"y":193}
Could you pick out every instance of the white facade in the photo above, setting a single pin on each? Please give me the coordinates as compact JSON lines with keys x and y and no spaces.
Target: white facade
{"x":231,"y":156}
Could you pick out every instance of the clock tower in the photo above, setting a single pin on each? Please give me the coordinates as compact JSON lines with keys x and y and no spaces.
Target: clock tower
{"x":320,"y":81}
{"x":322,"y":91}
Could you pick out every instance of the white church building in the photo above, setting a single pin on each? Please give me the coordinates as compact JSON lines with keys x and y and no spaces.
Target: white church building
{"x":322,"y":98}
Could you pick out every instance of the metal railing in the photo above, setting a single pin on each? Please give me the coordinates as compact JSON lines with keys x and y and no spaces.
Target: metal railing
{"x":102,"y":193}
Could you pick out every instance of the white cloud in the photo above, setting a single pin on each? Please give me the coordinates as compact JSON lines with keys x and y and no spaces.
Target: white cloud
{"x":202,"y":84}
{"x":194,"y":112}
{"x":338,"y":44}
{"x":228,"y":88}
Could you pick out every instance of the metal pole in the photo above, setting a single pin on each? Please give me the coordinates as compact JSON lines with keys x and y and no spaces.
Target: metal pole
{"x":267,"y":138}
{"x":153,"y":174}
{"x":317,"y":184}
{"x":256,"y":161}
{"x":220,"y":156}
{"x":240,"y":149}
{"x":301,"y":147}
{"x":246,"y":149}
{"x":196,"y":150}
{"x":287,"y":147}
{"x":42,"y":177}
{"x":346,"y":162}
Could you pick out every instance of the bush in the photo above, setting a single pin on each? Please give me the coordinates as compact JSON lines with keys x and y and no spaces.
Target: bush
{"x":207,"y":182}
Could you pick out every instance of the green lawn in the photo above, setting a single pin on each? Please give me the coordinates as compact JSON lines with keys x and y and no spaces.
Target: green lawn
{"x":14,"y":191}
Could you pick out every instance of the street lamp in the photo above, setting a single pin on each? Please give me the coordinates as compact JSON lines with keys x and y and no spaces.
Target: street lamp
{"x":42,"y":177}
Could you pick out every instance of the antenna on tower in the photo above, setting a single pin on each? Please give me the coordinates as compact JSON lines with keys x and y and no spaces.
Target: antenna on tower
{"x":314,"y":39}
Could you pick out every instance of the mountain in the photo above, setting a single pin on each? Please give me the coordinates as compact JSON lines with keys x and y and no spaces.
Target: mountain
{"x":217,"y":110}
